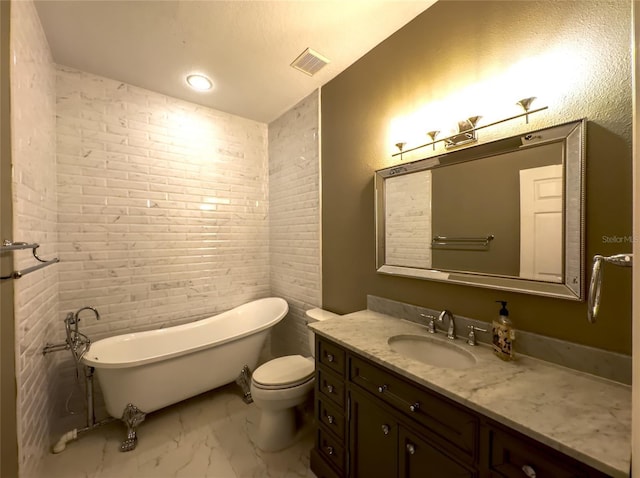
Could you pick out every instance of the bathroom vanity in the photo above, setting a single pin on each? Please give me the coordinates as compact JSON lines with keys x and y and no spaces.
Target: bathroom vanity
{"x":383,"y":414}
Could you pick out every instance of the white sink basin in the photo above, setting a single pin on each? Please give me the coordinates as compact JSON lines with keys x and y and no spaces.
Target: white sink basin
{"x":432,"y":351}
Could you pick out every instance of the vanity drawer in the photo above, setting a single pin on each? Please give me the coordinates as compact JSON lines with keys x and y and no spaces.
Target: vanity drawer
{"x":331,"y":356}
{"x":457,"y":427}
{"x":320,"y":467}
{"x":331,"y":449}
{"x":330,"y":386}
{"x":332,"y":418}
{"x":513,"y":455}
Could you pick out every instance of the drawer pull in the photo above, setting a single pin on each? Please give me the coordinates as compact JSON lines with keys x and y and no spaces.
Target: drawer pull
{"x":385,"y":429}
{"x":330,"y":450}
{"x":330,"y":357}
{"x":330,"y":388}
{"x":331,"y":419}
{"x":414,"y":407}
{"x":528,"y":471}
{"x":411,"y":448}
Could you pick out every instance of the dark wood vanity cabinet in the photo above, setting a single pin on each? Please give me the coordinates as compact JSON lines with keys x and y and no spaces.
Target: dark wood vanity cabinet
{"x":510,"y":452}
{"x":329,"y":456}
{"x":373,"y":423}
{"x":383,"y":445}
{"x":373,"y":438}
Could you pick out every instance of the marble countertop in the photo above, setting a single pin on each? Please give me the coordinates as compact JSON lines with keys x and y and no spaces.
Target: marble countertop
{"x":581,"y":415}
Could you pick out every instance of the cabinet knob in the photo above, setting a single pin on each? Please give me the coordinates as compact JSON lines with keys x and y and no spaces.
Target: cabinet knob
{"x":331,"y":419}
{"x":386,"y":429}
{"x":330,"y":388}
{"x":330,"y":450}
{"x":411,"y":448}
{"x":414,"y":407}
{"x":382,"y":388}
{"x":330,"y":357}
{"x":529,"y":471}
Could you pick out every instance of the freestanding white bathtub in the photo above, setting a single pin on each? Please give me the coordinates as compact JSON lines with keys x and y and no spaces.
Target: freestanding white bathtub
{"x":153,"y":369}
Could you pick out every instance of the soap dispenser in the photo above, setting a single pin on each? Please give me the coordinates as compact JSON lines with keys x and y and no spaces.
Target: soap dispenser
{"x":503,"y":334}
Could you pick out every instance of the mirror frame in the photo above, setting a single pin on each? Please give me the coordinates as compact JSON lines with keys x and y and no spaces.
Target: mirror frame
{"x":572,"y":136}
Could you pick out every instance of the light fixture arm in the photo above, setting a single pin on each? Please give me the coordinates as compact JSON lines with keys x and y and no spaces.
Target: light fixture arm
{"x":471,"y":130}
{"x":525,"y":104}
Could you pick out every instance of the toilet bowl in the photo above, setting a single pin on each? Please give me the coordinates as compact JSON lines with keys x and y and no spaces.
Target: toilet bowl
{"x":278,"y":387}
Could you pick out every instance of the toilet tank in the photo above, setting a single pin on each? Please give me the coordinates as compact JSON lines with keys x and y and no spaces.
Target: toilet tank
{"x":315,"y":315}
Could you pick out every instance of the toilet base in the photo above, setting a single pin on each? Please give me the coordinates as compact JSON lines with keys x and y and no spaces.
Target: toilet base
{"x":271,"y":435}
{"x":276,"y":429}
{"x":279,"y":403}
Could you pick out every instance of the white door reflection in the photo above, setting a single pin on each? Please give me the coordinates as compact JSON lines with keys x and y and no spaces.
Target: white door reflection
{"x":541,"y":223}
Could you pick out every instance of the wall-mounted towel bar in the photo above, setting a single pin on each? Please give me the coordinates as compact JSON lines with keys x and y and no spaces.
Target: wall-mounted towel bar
{"x":457,"y":242}
{"x":13,"y":246}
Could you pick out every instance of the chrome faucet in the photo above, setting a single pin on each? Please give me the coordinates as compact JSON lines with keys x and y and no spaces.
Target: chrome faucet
{"x":77,"y":341}
{"x":451,"y":331}
{"x":87,"y":307}
{"x":431,"y":325}
{"x":73,"y":319}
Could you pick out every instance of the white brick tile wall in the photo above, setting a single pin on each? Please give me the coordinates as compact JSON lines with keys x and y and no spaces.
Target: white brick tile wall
{"x":34,"y":194}
{"x":163,"y":205}
{"x":161,"y":213}
{"x":163,"y":210}
{"x":294,"y":218}
{"x":405,"y":232}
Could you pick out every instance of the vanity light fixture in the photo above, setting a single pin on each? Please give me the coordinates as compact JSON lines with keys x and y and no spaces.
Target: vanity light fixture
{"x":432,"y":135}
{"x":467,"y":129}
{"x":466,"y":133}
{"x":525,"y":104}
{"x":199,"y":82}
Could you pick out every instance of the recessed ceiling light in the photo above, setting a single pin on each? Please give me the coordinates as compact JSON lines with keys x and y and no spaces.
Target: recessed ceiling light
{"x":199,"y":82}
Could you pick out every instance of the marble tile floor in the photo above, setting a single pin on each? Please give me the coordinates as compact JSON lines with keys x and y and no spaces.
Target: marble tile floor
{"x":205,"y":436}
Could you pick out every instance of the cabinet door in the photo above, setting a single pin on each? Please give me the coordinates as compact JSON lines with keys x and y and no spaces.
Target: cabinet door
{"x":418,"y":459}
{"x":374,"y":440}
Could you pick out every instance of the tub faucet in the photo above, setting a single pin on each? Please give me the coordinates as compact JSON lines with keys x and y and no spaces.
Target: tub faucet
{"x":76,"y":340}
{"x":73,"y":319}
{"x":451,"y":331}
{"x":87,"y":307}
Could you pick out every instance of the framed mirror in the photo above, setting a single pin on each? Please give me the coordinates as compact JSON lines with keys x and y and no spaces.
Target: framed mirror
{"x":505,"y":215}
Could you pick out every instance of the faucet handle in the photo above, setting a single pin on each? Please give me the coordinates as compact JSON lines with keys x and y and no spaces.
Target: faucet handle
{"x":431,"y":326}
{"x":472,"y":334}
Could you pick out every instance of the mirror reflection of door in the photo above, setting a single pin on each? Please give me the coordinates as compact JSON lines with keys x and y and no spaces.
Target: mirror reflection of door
{"x":541,"y":223}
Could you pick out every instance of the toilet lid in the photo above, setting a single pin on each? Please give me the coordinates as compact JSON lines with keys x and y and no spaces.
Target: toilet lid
{"x":287,"y":371}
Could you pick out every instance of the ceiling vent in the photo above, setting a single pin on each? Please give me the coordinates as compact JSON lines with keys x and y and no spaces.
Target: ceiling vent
{"x":309,"y":62}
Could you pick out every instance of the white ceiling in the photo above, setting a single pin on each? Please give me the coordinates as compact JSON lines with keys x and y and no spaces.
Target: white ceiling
{"x":245,"y":47}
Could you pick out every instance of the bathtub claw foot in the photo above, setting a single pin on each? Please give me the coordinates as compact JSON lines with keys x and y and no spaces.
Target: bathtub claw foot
{"x":244,"y":380}
{"x":132,"y":416}
{"x":130,"y":443}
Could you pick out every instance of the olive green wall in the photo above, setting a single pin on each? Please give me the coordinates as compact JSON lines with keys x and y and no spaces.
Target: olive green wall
{"x":462,"y":206}
{"x":473,"y":58}
{"x":9,"y":429}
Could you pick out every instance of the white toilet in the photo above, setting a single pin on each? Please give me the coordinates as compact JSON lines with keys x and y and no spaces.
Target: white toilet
{"x":278,"y":387}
